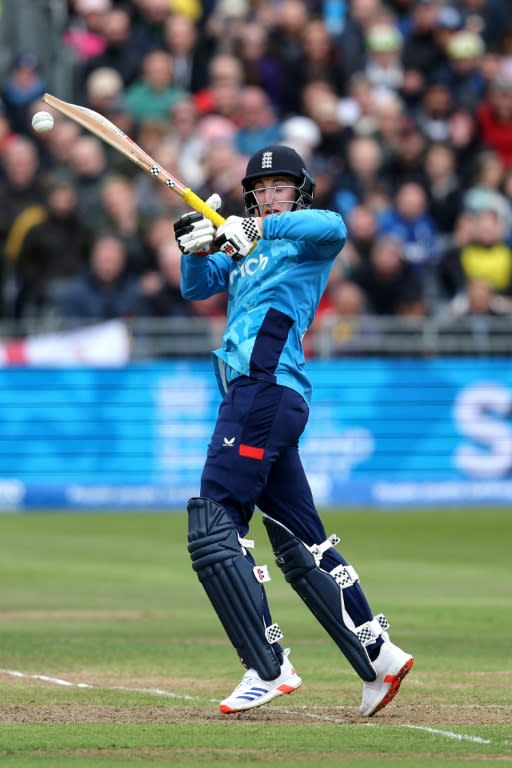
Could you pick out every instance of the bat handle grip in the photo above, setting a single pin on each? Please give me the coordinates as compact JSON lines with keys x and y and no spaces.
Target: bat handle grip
{"x":195,"y":202}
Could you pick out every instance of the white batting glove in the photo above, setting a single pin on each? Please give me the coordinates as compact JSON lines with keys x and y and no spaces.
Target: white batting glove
{"x":237,"y":236}
{"x":194,"y":232}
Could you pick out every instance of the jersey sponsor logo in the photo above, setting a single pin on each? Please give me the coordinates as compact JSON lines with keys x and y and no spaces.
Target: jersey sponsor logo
{"x":228,"y":442}
{"x":249,"y":266}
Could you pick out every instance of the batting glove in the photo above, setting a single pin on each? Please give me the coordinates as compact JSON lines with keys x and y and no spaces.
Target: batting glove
{"x":193,"y":232}
{"x":237,"y":236}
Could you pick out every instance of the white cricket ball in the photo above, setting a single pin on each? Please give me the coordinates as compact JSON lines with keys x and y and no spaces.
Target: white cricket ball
{"x":42,"y":122}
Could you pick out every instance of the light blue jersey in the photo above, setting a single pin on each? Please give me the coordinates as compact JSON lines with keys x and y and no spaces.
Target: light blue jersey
{"x":273,"y":294}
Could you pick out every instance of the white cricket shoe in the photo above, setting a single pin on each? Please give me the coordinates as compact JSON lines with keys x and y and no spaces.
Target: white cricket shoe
{"x":391,"y":665}
{"x":252,"y":691}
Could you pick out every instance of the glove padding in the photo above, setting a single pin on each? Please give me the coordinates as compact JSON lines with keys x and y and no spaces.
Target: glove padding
{"x":195,"y":233}
{"x":237,"y":236}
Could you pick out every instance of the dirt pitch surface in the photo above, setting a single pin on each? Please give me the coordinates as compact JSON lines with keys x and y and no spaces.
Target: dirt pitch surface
{"x":414,"y":713}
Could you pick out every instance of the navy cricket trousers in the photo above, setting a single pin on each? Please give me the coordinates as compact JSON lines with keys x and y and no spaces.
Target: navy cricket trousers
{"x":253,"y":460}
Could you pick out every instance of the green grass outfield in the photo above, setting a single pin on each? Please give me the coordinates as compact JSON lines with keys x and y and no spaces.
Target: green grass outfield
{"x":110,"y":654}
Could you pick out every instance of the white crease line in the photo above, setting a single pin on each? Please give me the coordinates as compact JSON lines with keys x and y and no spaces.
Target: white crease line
{"x":67,"y":683}
{"x":186,"y":697}
{"x":448,"y":734}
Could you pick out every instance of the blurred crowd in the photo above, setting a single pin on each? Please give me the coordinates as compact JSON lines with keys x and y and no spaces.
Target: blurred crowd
{"x":402,"y":109}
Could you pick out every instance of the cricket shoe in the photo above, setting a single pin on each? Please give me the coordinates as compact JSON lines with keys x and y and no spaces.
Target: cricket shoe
{"x":252,"y":691}
{"x":391,"y":665}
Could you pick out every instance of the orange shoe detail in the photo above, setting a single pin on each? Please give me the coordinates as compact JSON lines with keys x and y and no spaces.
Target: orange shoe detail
{"x":395,"y":681}
{"x":286,"y":689}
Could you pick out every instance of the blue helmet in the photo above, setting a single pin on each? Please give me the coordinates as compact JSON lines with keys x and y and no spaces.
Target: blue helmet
{"x":278,"y":160}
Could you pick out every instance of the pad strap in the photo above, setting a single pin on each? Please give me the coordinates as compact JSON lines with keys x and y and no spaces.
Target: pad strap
{"x":370,"y":631}
{"x":344,"y":576}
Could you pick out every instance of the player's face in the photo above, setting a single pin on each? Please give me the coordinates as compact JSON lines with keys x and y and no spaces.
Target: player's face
{"x":275,"y":194}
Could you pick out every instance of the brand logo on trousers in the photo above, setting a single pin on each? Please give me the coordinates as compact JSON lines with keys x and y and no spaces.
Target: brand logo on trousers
{"x":229,"y":442}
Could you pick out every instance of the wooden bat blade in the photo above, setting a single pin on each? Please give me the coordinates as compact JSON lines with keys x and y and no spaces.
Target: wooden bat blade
{"x":111,"y":134}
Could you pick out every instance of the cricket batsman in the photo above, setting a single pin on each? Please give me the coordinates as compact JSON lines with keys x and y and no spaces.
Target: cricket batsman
{"x":274,"y":265}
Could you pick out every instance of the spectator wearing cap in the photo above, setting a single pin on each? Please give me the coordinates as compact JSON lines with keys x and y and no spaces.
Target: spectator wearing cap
{"x":463,"y":75}
{"x":384,"y":65}
{"x":23,"y":85}
{"x":494,"y":117}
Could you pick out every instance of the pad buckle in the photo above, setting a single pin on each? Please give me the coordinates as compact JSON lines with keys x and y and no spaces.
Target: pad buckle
{"x":317,"y":550}
{"x":344,"y":576}
{"x":370,"y":631}
{"x":245,"y":544}
{"x":273,"y":633}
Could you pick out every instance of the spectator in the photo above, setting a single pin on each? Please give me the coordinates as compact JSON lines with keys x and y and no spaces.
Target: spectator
{"x":88,"y":163}
{"x":161,"y":287}
{"x":443,"y":189}
{"x":486,"y":256}
{"x":104,"y":290}
{"x":119,"y":53}
{"x":421,"y":50}
{"x":387,"y":279}
{"x":363,"y":14}
{"x":257,"y":125}
{"x":464,"y":140}
{"x":84,"y":31}
{"x":434,"y":111}
{"x":52,"y":250}
{"x":21,"y":195}
{"x":319,"y":59}
{"x":260,"y":67}
{"x":103,"y":90}
{"x":405,"y":161}
{"x":225,"y":79}
{"x":463,"y":75}
{"x":362,"y":226}
{"x":122,"y":217}
{"x":410,"y":222}
{"x":183,"y":137}
{"x":384,"y":67}
{"x":363,"y":172}
{"x":469,"y":322}
{"x":190,"y":53}
{"x":333,"y":136}
{"x":489,"y":17}
{"x":349,"y":327}
{"x":154,"y":93}
{"x":22,"y":86}
{"x":494,"y":116}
